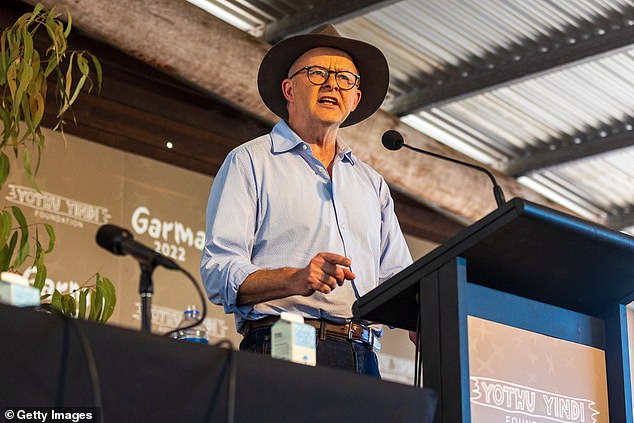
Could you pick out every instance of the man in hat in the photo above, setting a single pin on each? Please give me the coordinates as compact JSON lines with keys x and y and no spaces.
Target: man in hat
{"x":295,"y":221}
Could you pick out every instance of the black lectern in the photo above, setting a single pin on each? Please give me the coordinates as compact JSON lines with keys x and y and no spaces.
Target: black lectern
{"x":526,"y":266}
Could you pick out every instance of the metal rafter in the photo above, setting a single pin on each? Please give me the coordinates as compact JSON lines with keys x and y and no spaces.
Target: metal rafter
{"x":325,"y":11}
{"x":200,"y":44}
{"x":558,"y":151}
{"x":530,"y":59}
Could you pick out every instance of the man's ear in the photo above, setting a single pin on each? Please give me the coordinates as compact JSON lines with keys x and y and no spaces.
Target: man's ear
{"x":287,"y":89}
{"x":356,"y":100}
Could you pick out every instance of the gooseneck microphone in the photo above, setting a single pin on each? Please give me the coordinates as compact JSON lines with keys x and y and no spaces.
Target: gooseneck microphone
{"x":120,"y":241}
{"x":393,"y":140}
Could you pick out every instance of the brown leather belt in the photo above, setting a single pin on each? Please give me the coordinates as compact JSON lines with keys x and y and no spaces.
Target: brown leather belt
{"x":353,"y":331}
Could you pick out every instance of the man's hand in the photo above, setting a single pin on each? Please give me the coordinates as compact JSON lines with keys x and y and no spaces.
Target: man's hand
{"x":324,"y":273}
{"x":413,"y":337}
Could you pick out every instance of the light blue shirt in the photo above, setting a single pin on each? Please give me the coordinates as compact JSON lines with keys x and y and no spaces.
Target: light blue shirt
{"x":273,"y":205}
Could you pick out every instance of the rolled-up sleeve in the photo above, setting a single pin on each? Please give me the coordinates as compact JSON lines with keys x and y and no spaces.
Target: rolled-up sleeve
{"x":230,"y":226}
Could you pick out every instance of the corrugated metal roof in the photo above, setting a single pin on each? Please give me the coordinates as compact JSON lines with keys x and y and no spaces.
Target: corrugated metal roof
{"x":429,"y":42}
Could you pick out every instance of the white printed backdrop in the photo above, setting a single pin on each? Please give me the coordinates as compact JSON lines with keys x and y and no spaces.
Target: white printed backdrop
{"x":84,"y":185}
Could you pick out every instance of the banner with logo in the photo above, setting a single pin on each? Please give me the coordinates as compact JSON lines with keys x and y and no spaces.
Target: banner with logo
{"x":84,"y":185}
{"x":517,"y":376}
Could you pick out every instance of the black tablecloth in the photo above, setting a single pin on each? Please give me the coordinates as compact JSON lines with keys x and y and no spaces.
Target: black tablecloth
{"x":150,"y":378}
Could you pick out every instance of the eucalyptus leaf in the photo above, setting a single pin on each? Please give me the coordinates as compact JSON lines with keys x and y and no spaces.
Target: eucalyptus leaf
{"x":27,"y":39}
{"x":110,"y":298}
{"x":19,"y":216}
{"x":40,"y":267}
{"x":5,"y":167}
{"x":68,"y":83}
{"x":37,"y":105}
{"x":23,"y":250}
{"x":78,"y":87}
{"x":69,"y":25}
{"x":70,"y":305}
{"x":96,"y":304}
{"x":26,"y":162}
{"x":51,"y":238}
{"x":26,"y":117}
{"x":82,"y":63}
{"x":23,"y":253}
{"x":36,"y":12}
{"x":5,"y":226}
{"x":12,"y":76}
{"x":56,"y":300}
{"x":3,"y":57}
{"x":82,"y":303}
{"x":6,"y":123}
{"x":25,"y":79}
{"x":97,"y":65}
{"x":7,"y":251}
{"x":53,"y":61}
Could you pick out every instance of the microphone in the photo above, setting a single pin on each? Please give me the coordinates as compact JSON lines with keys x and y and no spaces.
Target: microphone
{"x":120,"y":241}
{"x":393,"y":140}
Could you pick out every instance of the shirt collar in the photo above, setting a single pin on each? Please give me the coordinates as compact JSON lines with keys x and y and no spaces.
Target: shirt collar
{"x":285,"y":139}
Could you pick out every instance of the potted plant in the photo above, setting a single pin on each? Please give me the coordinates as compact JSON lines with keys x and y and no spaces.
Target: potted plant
{"x":26,"y":70}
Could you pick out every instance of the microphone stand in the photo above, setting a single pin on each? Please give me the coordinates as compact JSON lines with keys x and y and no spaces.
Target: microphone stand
{"x":146,"y":290}
{"x":497,"y":190}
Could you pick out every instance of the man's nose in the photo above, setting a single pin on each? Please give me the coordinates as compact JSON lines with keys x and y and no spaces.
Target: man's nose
{"x":332,"y":84}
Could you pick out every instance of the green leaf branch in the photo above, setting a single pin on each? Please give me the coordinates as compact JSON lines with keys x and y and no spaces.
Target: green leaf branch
{"x":26,"y":71}
{"x":96,"y":302}
{"x":24,"y":79}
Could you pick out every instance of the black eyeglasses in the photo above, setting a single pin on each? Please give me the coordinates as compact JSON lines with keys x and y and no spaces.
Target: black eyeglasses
{"x":318,"y":75}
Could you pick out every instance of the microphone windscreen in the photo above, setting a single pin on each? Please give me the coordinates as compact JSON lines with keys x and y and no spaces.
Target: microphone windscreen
{"x":392,"y":140}
{"x":110,"y":237}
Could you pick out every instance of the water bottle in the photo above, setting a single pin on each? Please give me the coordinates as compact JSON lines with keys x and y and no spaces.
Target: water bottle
{"x":197,"y":333}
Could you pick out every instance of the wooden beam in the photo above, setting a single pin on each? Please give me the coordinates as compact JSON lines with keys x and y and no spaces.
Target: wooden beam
{"x":185,"y":41}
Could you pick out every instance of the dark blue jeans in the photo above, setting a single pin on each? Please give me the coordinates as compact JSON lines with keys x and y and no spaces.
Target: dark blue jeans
{"x":332,"y":352}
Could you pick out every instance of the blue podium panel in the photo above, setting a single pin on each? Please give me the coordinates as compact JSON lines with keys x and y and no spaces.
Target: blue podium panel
{"x":524,"y":266}
{"x":446,"y":361}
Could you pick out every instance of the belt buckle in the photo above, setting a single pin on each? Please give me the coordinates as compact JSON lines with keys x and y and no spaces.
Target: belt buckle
{"x":376,"y":344}
{"x":373,"y":341}
{"x":350,"y":331}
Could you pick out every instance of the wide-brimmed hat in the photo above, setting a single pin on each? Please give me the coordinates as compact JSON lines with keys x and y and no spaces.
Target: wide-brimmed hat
{"x":370,"y":62}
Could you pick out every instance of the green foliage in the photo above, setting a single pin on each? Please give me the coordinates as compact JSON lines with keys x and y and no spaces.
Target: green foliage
{"x":13,"y":254}
{"x":100,"y":306}
{"x":25,"y":74}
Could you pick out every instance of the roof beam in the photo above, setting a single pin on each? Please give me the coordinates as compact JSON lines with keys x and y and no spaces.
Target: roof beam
{"x":139,"y":109}
{"x":321,"y":12}
{"x":559,"y":151}
{"x":187,"y":42}
{"x":530,"y":58}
